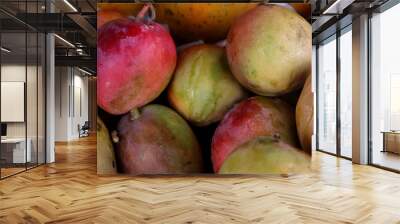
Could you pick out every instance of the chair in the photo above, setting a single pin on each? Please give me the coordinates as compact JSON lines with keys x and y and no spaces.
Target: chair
{"x":84,"y":130}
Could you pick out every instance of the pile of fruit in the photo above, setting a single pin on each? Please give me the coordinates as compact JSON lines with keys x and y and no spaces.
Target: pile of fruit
{"x":237,"y":102}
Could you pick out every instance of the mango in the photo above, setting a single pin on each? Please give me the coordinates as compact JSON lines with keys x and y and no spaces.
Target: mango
{"x":266,"y":155}
{"x":106,"y":163}
{"x":135,"y":62}
{"x":269,"y":50}
{"x":305,"y":116}
{"x":156,"y":140}
{"x":251,"y":118}
{"x":203,"y":89}
{"x":200,"y":21}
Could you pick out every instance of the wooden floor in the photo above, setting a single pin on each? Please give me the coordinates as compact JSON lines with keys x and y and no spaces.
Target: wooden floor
{"x":8,"y":171}
{"x":387,"y":159}
{"x":5,"y":172}
{"x":69,"y":191}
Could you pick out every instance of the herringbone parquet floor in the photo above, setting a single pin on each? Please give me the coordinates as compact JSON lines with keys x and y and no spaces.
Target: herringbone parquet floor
{"x":69,"y":191}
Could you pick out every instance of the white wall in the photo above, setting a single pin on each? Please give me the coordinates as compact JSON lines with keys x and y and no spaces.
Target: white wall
{"x":12,"y":73}
{"x":71,"y":94}
{"x":80,"y":89}
{"x":33,"y":127}
{"x":61,"y":103}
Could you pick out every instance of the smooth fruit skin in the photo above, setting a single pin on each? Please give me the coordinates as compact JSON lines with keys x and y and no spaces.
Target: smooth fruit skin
{"x":126,"y":9}
{"x":305,"y":116}
{"x":158,"y":141}
{"x":203,"y":89}
{"x":254,"y":117}
{"x":269,"y":50}
{"x":135,"y":61}
{"x":110,"y":11}
{"x":264,"y":155}
{"x":105,"y":16}
{"x":200,"y":21}
{"x":189,"y":21}
{"x":106,"y":163}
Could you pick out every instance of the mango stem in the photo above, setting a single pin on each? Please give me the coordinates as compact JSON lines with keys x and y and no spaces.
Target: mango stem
{"x":134,"y":114}
{"x":276,"y":137}
{"x":114,"y":136}
{"x":145,"y":10}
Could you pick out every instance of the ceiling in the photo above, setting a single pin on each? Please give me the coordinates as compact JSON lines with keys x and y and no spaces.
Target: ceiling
{"x":329,"y":16}
{"x":72,"y":20}
{"x":39,"y":6}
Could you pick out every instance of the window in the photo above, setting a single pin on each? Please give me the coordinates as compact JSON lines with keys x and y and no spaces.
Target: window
{"x":346,"y":92}
{"x":385,"y":89}
{"x":22,"y":77}
{"x":335,"y":74}
{"x":327,"y":96}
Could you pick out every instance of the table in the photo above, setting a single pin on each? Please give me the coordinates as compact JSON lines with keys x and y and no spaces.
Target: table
{"x":391,"y":141}
{"x":18,"y":149}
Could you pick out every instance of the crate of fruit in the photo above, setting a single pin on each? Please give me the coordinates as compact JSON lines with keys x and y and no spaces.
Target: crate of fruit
{"x":187,"y":88}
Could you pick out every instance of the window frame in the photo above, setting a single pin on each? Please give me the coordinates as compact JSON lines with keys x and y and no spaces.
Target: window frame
{"x":336,"y":35}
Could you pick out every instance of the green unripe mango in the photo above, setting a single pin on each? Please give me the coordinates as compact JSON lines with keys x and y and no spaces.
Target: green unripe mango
{"x":203,"y":89}
{"x":266,"y":155}
{"x":269,"y":50}
{"x":106,"y":163}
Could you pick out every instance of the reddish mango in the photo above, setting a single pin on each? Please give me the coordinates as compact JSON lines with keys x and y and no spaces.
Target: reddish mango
{"x":254,"y":117}
{"x":135,"y":61}
{"x":104,"y":16}
{"x":156,"y":140}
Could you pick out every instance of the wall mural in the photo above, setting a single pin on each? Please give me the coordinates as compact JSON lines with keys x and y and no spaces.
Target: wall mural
{"x":190,"y":88}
